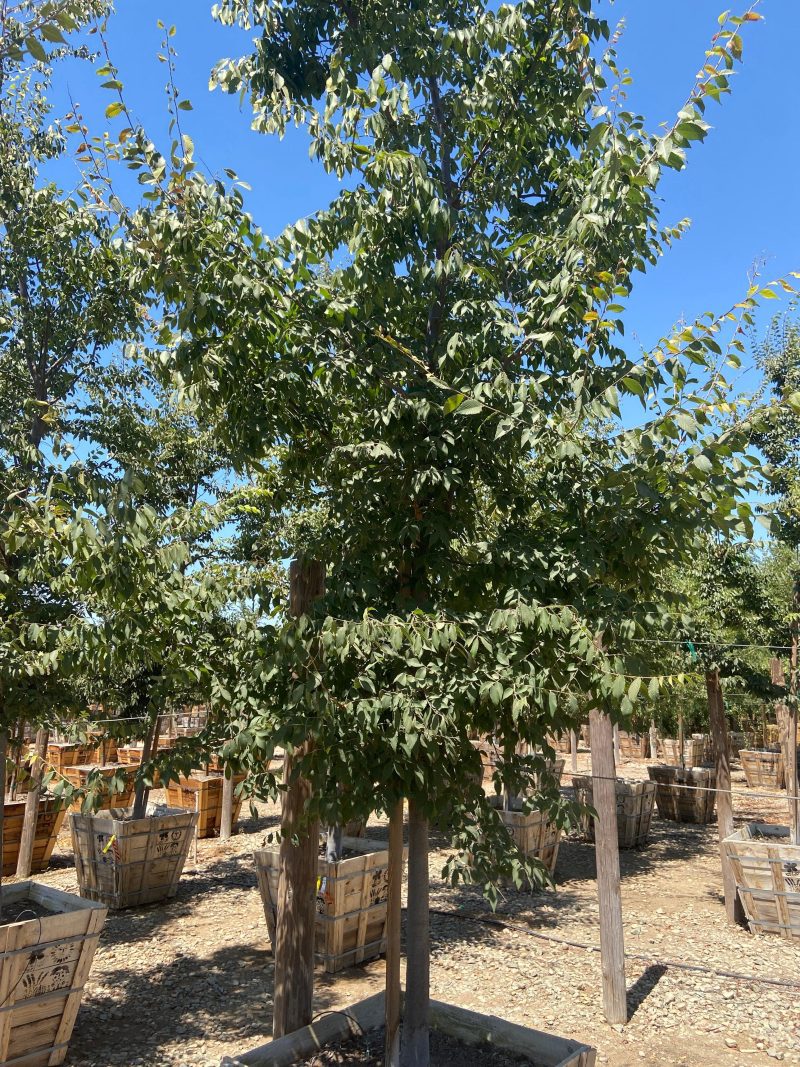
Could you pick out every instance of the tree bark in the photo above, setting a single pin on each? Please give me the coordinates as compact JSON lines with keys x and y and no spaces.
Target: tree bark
{"x":719,"y":736}
{"x":25,"y":859}
{"x":415,"y":1043}
{"x":612,"y":942}
{"x":3,"y":749}
{"x":792,"y":783}
{"x":297,"y":881}
{"x":149,"y":749}
{"x":393,"y":920}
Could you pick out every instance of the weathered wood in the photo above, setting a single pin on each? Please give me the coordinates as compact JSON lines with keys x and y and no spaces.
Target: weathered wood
{"x":415,"y":1041}
{"x":612,"y":943}
{"x":351,"y":901}
{"x":792,"y":770}
{"x":573,"y":749}
{"x":203,"y":793}
{"x":766,"y":866}
{"x":685,"y":794}
{"x":719,"y":734}
{"x":50,"y":816}
{"x":763,"y":768}
{"x":633,"y":746}
{"x":30,"y":821}
{"x":393,"y":930}
{"x":687,"y":753}
{"x":541,"y":1049}
{"x":534,"y":833}
{"x":3,"y":750}
{"x":44,"y":964}
{"x":79,"y":775}
{"x":635,"y":802}
{"x":124,"y":862}
{"x":226,"y":818}
{"x":295,"y":920}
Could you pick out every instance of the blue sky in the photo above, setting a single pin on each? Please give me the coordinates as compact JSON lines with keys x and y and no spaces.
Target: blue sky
{"x":740,"y":189}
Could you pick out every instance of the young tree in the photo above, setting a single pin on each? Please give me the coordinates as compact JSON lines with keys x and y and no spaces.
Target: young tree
{"x":449,"y":397}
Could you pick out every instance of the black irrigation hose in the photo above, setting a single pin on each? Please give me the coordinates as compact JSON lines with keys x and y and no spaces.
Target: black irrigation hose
{"x":517,"y":924}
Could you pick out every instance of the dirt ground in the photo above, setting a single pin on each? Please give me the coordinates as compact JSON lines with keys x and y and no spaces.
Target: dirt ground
{"x":184,"y":983}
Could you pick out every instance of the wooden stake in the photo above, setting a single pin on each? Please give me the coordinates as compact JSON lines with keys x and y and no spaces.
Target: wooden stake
{"x":226,"y":823}
{"x":3,"y":749}
{"x":617,"y":759}
{"x":415,"y":1045}
{"x":653,"y":740}
{"x":681,"y":740}
{"x":295,"y":920}
{"x":719,"y":736}
{"x":612,"y":942}
{"x":792,"y":783}
{"x":393,"y":921}
{"x":573,"y":748}
{"x":25,"y":859}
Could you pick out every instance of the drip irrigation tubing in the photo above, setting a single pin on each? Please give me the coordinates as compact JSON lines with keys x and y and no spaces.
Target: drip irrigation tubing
{"x":680,"y":965}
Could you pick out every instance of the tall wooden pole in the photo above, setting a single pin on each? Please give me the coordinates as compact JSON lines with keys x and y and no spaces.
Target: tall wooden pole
{"x":604,"y":798}
{"x":297,"y":881}
{"x":719,"y":737}
{"x":3,"y":750}
{"x":573,"y":749}
{"x":25,"y":859}
{"x":393,"y":919}
{"x":415,"y":1046}
{"x":792,"y":783}
{"x":226,"y":821}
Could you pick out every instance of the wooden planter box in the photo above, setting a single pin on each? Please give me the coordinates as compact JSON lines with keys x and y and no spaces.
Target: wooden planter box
{"x":533,"y":832}
{"x":634,"y":746}
{"x":44,"y":964}
{"x":635,"y":802}
{"x":79,"y":776}
{"x":763,"y":768}
{"x":123,"y":862}
{"x":131,"y":756}
{"x":767,"y":870}
{"x":351,"y":902}
{"x":105,"y":750}
{"x":48,"y":823}
{"x":203,"y":793}
{"x":470,"y":1027}
{"x":738,"y":741}
{"x":61,"y":754}
{"x":680,"y":804}
{"x":694,"y":751}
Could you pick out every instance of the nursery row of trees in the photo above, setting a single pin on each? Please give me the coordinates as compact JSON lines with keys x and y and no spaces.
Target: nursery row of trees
{"x":421,"y":392}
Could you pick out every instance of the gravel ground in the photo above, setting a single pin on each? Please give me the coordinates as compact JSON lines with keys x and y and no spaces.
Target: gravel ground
{"x":190,"y":981}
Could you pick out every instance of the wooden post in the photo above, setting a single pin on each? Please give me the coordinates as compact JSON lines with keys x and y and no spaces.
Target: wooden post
{"x":615,"y":735}
{"x":226,"y":823}
{"x":25,"y":859}
{"x":297,"y":881}
{"x":393,"y":918}
{"x":681,"y":740}
{"x":415,"y":1046}
{"x":653,"y":740}
{"x":719,"y":736}
{"x":573,"y":748}
{"x":3,"y":750}
{"x":612,"y":943}
{"x":792,"y":784}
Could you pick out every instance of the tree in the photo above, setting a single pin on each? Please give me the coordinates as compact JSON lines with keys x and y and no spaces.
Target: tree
{"x":449,"y":399}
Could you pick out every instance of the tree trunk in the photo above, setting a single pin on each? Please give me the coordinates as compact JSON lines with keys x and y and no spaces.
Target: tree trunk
{"x":226,"y":823}
{"x":604,"y":797}
{"x":719,"y":736}
{"x":3,"y":749}
{"x":25,"y":859}
{"x":295,"y":919}
{"x":415,"y":1043}
{"x":393,"y":918}
{"x":149,"y":750}
{"x":792,"y":783}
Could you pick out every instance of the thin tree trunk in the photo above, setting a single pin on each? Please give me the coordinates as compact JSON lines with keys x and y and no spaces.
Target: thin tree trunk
{"x":149,"y":749}
{"x":719,"y":736}
{"x":415,"y":1043}
{"x":25,"y":859}
{"x":792,"y":783}
{"x":393,"y":919}
{"x":295,"y":919}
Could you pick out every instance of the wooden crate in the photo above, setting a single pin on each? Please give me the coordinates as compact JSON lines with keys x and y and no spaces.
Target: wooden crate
{"x":131,"y":756}
{"x":351,"y":902}
{"x":683,"y":794}
{"x":535,"y":835}
{"x":203,"y":793}
{"x":766,"y":866}
{"x":48,"y":823}
{"x":694,"y":751}
{"x":123,"y":862}
{"x":105,"y":750}
{"x":61,"y":754}
{"x":44,"y":964}
{"x":79,"y":776}
{"x":738,"y":741}
{"x":634,"y":746}
{"x":635,"y":802}
{"x":763,"y":768}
